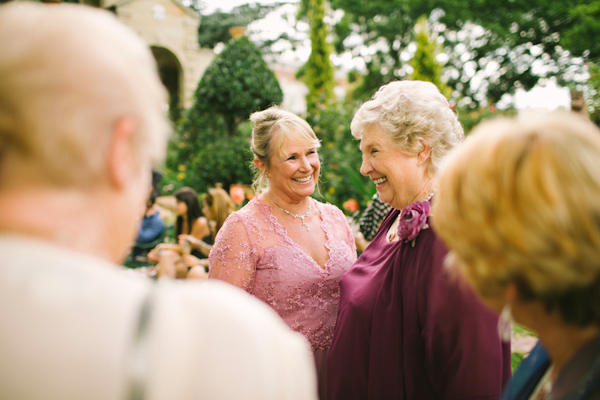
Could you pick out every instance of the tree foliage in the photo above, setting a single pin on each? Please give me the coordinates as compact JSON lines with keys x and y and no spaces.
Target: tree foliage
{"x":593,"y":92}
{"x":526,"y":40}
{"x":318,"y":71}
{"x":212,"y":144}
{"x":237,"y":83}
{"x":340,"y":154}
{"x":424,"y":63}
{"x":341,"y":157}
{"x":553,"y":25}
{"x":377,"y":31}
{"x":214,"y":28}
{"x":202,"y":154}
{"x":491,"y":50}
{"x":581,"y":37}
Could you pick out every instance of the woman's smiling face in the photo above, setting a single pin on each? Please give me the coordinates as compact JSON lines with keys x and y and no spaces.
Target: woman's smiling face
{"x":399,"y":177}
{"x":294,"y":172}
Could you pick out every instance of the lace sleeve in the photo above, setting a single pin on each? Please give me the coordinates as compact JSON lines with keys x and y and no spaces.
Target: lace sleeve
{"x":232,"y":258}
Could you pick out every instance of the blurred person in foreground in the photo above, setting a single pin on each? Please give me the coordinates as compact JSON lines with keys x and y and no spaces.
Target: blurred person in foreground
{"x":81,"y":122}
{"x":518,"y":206}
{"x":284,"y":247}
{"x":404,"y":330}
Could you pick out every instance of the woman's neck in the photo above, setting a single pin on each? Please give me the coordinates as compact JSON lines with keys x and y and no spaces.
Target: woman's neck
{"x":295,"y":206}
{"x":63,"y":218}
{"x":563,"y":342}
{"x":425,"y":194}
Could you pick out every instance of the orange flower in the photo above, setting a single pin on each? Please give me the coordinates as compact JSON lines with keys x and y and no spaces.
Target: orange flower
{"x":351,"y":205}
{"x":237,"y":194}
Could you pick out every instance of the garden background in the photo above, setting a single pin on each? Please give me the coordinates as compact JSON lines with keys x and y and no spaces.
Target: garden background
{"x":478,"y":56}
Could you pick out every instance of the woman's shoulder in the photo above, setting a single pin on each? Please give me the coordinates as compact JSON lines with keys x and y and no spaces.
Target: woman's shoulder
{"x":200,"y":225}
{"x":430,"y":240}
{"x":329,"y":208}
{"x":250,"y":211}
{"x":201,"y":221}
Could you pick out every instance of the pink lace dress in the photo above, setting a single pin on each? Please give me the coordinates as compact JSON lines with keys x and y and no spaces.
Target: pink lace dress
{"x":253,"y":251}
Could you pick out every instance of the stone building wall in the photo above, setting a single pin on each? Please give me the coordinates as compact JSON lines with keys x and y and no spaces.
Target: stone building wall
{"x":171,"y":30}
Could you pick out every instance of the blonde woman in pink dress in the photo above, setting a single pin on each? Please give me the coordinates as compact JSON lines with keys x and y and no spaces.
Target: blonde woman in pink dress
{"x":284,"y":247}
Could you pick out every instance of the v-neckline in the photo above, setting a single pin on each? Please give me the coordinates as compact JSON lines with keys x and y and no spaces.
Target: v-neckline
{"x":298,"y":247}
{"x":387,"y":229}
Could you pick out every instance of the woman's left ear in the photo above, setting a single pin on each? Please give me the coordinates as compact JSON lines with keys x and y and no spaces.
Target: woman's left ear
{"x":424,"y":155}
{"x":259,"y":165}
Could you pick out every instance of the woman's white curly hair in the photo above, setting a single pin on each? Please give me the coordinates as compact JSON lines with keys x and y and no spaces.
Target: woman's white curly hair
{"x":415,"y":114}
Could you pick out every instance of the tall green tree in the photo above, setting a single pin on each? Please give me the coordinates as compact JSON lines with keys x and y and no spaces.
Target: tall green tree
{"x":378,"y":31}
{"x":340,"y":154}
{"x":210,"y":156}
{"x":212,"y":144}
{"x":424,"y":63}
{"x":318,"y":70}
{"x":237,"y":83}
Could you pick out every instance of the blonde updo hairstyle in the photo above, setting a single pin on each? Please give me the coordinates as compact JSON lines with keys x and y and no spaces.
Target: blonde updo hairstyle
{"x":415,"y":114}
{"x":520,"y":203}
{"x":265,"y":141}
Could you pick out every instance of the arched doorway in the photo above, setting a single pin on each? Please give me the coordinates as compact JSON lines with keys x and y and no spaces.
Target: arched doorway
{"x":170,"y":72}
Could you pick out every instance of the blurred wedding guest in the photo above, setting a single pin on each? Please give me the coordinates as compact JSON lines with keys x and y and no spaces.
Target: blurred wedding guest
{"x":532,"y":191}
{"x":372,"y":217}
{"x":578,"y":104}
{"x":404,"y":330}
{"x":217,"y":207}
{"x":81,"y":123}
{"x":190,"y":223}
{"x":284,"y":247}
{"x":151,"y":229}
{"x":190,"y":219}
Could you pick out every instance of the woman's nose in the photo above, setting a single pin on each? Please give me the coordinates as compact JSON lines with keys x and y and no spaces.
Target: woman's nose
{"x":365,"y":167}
{"x":305,"y":164}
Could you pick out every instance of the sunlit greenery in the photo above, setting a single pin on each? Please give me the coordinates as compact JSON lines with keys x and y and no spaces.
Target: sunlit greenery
{"x":212,"y":142}
{"x":475,"y":54}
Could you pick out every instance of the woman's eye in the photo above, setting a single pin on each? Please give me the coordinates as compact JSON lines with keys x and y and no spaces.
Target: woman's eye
{"x":373,"y":151}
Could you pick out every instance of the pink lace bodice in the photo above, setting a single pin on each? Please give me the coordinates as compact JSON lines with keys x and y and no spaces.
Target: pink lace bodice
{"x":253,"y":251}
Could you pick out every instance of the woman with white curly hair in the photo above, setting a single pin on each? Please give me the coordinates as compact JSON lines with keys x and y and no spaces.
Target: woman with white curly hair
{"x":404,"y":330}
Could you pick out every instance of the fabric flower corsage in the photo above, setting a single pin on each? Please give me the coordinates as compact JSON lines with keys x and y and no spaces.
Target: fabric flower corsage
{"x":413,"y":219}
